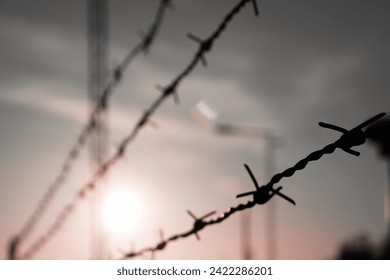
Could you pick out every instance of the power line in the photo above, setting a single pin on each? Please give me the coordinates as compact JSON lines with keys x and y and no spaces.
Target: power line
{"x":205,"y":46}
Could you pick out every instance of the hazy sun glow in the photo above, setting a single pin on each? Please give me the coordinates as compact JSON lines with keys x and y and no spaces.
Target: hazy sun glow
{"x":121,"y":211}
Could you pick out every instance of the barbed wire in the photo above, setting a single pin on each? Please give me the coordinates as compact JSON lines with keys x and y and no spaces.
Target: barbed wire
{"x":205,"y":46}
{"x":142,"y":47}
{"x":349,"y":139}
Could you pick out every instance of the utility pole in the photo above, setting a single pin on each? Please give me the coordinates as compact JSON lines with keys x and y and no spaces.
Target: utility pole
{"x":97,"y":18}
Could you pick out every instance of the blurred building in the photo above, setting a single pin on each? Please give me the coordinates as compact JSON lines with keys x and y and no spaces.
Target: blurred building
{"x":379,"y":133}
{"x":361,"y":247}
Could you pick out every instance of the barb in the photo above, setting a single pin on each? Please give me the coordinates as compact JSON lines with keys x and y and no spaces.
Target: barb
{"x":169,"y":90}
{"x":264,"y":193}
{"x":142,"y":47}
{"x":349,"y":139}
{"x":199,"y":223}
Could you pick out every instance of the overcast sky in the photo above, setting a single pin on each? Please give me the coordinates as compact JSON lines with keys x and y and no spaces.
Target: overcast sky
{"x":298,"y":63}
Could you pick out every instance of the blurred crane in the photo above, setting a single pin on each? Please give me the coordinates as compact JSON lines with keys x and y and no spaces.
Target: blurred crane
{"x":206,"y":116}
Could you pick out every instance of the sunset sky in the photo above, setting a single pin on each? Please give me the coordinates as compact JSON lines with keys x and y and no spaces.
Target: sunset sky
{"x":298,"y":63}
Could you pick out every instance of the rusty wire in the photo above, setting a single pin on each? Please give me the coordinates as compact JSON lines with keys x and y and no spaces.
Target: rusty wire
{"x":349,"y":139}
{"x":205,"y":46}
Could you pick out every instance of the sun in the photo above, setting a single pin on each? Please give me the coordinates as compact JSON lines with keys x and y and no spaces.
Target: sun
{"x":121,"y":211}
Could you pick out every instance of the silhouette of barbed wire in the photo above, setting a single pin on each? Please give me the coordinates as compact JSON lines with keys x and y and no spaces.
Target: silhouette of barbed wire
{"x":349,"y":139}
{"x":205,"y":46}
{"x":142,"y":47}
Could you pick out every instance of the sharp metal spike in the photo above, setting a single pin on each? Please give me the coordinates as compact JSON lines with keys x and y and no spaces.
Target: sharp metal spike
{"x":352,"y":152}
{"x":371,"y":120}
{"x":194,"y":38}
{"x":277,"y":192}
{"x":333,"y":127}
{"x":192,"y":215}
{"x":245,"y":194}
{"x":251,"y":175}
{"x":208,"y":215}
{"x":255,"y":7}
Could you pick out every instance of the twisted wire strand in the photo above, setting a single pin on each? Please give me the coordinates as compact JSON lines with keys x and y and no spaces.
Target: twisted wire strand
{"x":142,"y":47}
{"x":198,"y":226}
{"x":351,"y":138}
{"x":300,"y":165}
{"x":170,"y":90}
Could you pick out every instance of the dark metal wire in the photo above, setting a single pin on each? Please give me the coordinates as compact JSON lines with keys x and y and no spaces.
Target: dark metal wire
{"x":142,"y":47}
{"x":349,"y":139}
{"x":170,"y":90}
